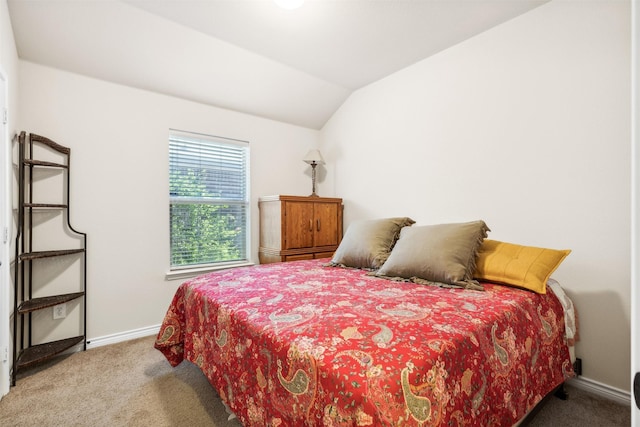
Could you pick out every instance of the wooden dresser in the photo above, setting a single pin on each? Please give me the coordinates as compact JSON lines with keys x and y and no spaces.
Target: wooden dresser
{"x":294,"y":228}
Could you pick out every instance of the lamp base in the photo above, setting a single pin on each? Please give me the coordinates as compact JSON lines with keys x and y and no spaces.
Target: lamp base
{"x":313,"y":179}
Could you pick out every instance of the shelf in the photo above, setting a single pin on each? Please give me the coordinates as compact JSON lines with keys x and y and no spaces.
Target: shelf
{"x":30,"y":162}
{"x":44,"y":302}
{"x":45,"y":205}
{"x":48,"y":254}
{"x":41,"y":352}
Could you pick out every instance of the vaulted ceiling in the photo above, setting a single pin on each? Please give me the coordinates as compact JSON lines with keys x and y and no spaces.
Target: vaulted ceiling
{"x":295,"y":66}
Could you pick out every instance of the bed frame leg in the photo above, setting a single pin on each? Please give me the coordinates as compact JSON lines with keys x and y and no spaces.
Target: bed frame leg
{"x":561,"y":392}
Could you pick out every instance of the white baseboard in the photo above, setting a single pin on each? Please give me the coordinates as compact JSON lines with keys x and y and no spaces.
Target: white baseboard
{"x":606,"y":391}
{"x":122,"y":336}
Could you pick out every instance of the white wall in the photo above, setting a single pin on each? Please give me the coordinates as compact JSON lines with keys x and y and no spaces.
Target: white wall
{"x":635,"y":209}
{"x":526,"y":126}
{"x":119,"y":190}
{"x":9,"y":67}
{"x":9,"y":58}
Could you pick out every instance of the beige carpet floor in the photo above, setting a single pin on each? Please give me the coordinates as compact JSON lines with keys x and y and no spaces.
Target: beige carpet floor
{"x":131,"y":384}
{"x":125,"y":384}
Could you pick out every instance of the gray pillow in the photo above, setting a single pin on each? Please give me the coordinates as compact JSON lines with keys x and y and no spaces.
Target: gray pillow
{"x":367,"y":243}
{"x":443,"y":253}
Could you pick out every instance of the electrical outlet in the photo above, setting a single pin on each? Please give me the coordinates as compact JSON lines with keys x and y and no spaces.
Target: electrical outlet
{"x":60,"y":311}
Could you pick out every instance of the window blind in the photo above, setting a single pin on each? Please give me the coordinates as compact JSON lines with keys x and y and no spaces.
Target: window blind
{"x":209,"y":201}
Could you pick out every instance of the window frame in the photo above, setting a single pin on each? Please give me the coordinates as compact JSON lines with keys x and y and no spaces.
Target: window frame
{"x":184,"y":271}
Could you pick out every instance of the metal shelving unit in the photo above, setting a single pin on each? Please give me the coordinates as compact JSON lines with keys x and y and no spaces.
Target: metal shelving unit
{"x":25,"y":353}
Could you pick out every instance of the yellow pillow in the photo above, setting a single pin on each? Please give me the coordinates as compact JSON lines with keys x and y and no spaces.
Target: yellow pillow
{"x":522,"y":266}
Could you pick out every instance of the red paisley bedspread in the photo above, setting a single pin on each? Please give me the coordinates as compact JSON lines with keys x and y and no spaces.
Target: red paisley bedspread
{"x":298,"y":343}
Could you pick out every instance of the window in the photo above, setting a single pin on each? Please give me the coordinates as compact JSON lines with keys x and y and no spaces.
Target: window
{"x":209,"y":200}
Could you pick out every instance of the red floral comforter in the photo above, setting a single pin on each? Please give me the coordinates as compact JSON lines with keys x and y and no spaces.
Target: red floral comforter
{"x":297,"y":343}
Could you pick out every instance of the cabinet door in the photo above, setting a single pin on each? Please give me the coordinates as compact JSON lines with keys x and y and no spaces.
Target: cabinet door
{"x":299,"y":225}
{"x":325,"y":223}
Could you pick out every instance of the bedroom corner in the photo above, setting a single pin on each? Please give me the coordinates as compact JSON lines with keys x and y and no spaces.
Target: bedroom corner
{"x":532,"y":140}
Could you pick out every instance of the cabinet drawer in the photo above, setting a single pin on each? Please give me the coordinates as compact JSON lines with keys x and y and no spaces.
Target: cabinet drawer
{"x":323,"y":255}
{"x":298,"y":257}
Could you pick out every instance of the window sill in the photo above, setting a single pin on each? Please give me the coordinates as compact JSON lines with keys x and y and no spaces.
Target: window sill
{"x":192,"y":272}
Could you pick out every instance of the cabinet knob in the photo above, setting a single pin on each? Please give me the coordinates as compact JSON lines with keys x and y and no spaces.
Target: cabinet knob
{"x":317,"y":224}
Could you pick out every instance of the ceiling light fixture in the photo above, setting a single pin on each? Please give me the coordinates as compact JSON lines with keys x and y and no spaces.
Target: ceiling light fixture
{"x":289,"y":4}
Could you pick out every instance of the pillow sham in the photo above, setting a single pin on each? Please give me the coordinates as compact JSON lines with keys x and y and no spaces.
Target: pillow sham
{"x":367,"y":243}
{"x":526,"y":267}
{"x":437,"y":254}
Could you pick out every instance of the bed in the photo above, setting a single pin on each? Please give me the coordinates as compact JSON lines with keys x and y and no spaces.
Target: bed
{"x":317,"y":342}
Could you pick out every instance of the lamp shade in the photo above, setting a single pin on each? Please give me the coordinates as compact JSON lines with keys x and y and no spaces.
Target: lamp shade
{"x":314,"y":156}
